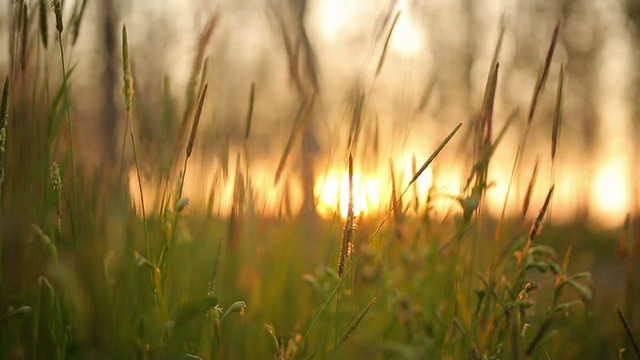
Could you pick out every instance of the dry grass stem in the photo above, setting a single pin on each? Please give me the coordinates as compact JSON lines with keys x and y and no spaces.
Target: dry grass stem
{"x":349,"y":226}
{"x":532,"y":182}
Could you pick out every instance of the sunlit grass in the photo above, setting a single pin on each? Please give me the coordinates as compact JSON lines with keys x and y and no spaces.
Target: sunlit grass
{"x":216,"y":256}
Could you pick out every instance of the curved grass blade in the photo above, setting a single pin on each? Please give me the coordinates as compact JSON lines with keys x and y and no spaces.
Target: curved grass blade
{"x":415,"y":177}
{"x":355,"y":323}
{"x":250,"y":111}
{"x":385,"y":49}
{"x":557,"y":119}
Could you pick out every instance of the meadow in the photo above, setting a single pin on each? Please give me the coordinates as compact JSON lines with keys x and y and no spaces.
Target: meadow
{"x":89,"y":270}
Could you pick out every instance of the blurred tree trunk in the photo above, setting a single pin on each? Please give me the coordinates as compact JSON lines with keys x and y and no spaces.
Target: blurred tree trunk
{"x":109,"y":79}
{"x":632,"y":8}
{"x":303,"y":72}
{"x":582,"y":71}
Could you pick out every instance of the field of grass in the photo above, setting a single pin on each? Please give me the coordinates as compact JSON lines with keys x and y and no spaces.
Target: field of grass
{"x":84,"y":275}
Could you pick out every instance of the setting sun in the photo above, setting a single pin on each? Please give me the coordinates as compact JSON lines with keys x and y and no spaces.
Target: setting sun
{"x":332,"y":194}
{"x":610,"y":193}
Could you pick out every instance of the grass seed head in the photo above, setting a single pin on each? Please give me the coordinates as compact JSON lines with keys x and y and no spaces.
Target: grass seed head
{"x":196,"y":121}
{"x":537,"y":225}
{"x":127,"y":79}
{"x":56,"y":6}
{"x":54,"y":177}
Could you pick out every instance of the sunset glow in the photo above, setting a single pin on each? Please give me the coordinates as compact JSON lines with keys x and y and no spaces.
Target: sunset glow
{"x":208,"y":190}
{"x":332,"y":194}
{"x":610,"y":192}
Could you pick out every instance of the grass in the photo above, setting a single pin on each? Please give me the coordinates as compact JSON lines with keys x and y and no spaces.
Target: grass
{"x":84,"y":276}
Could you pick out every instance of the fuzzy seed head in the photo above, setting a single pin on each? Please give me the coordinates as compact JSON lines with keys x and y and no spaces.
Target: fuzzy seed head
{"x":54,"y":177}
{"x":127,"y":78}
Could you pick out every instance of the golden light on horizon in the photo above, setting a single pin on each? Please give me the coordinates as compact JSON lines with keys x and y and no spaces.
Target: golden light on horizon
{"x":332,"y":194}
{"x":610,"y":192}
{"x":208,"y":190}
{"x":372,"y":189}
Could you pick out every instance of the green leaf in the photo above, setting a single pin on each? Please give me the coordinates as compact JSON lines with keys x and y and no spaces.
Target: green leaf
{"x":584,"y":292}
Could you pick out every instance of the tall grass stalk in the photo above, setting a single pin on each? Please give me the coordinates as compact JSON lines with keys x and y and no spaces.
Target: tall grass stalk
{"x":557,"y":124}
{"x":537,"y":93}
{"x":349,"y":226}
{"x":128,"y":91}
{"x":57,"y":9}
{"x":179,"y":202}
{"x":4,"y":116}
